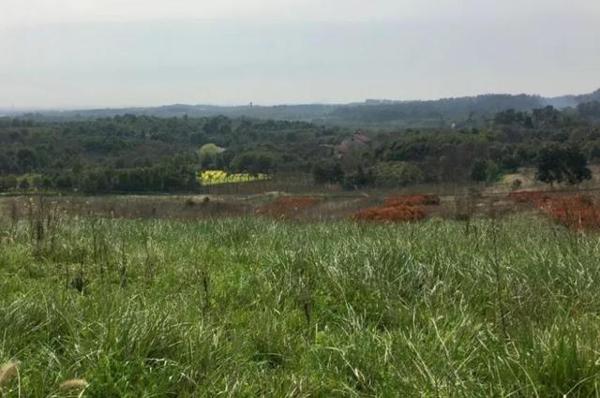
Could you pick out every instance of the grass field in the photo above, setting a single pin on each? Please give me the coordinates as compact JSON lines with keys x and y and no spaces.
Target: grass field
{"x":252,"y":307}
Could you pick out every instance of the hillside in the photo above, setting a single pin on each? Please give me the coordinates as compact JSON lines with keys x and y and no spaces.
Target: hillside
{"x":153,"y":154}
{"x":433,"y":113}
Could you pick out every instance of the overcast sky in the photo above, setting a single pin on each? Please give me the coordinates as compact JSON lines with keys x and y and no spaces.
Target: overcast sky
{"x":96,"y":53}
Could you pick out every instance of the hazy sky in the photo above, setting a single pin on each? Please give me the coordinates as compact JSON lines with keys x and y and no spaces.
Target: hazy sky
{"x":92,"y":53}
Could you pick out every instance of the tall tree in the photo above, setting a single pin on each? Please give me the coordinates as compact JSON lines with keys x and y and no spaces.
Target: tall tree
{"x":558,"y":164}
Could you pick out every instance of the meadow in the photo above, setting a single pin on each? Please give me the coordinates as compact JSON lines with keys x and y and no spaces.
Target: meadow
{"x":250,"y":306}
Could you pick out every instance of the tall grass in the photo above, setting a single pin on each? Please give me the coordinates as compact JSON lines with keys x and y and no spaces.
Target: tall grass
{"x":251,"y":307}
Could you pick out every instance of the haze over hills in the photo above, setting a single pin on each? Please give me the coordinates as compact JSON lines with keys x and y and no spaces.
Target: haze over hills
{"x":370,"y":112}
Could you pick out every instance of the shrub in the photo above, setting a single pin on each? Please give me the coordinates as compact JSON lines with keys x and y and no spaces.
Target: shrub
{"x":395,"y":174}
{"x":578,"y":212}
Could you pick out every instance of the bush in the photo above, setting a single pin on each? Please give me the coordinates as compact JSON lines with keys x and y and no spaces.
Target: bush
{"x":328,"y":173}
{"x":357,"y":179}
{"x":396,"y":174}
{"x":485,"y":171}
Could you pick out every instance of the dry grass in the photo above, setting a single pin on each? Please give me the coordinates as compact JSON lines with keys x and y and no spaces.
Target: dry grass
{"x":73,"y":384}
{"x":288,"y":206}
{"x":8,"y":372}
{"x":412,"y":200}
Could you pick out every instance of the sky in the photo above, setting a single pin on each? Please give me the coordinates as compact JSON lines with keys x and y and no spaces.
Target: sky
{"x":114,"y":53}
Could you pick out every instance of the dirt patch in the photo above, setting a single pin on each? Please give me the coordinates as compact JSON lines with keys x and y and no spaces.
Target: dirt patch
{"x":288,"y":206}
{"x":135,"y":207}
{"x":536,"y":198}
{"x":399,"y":213}
{"x":412,"y":200}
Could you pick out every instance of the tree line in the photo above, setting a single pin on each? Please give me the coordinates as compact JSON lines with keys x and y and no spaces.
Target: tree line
{"x":131,"y":153}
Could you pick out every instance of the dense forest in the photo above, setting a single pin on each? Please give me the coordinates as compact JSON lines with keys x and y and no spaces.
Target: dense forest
{"x":129,"y":153}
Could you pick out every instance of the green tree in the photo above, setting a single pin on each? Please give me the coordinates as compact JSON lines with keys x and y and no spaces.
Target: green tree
{"x":26,"y":160}
{"x":255,"y":162}
{"x":328,"y":173}
{"x":589,"y":109}
{"x":358,"y":178}
{"x":396,"y":174}
{"x":198,"y":138}
{"x":219,"y":125}
{"x":558,"y":164}
{"x":208,"y":155}
{"x":485,"y":170}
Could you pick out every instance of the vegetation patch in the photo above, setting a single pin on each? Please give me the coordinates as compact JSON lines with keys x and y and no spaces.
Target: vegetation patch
{"x":144,"y":154}
{"x":402,"y":208}
{"x":286,"y":206}
{"x":217,"y":177}
{"x":256,"y":307}
{"x":399,"y":213}
{"x":578,"y":212}
{"x":535,"y":198}
{"x":412,"y":200}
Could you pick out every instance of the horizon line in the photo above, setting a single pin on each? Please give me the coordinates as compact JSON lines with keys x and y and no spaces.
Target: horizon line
{"x":71,"y":108}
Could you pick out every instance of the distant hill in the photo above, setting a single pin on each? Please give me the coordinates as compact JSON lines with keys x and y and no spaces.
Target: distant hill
{"x":307,"y":112}
{"x":438,"y":112}
{"x":595,"y":96}
{"x":432,"y":113}
{"x":572,"y":100}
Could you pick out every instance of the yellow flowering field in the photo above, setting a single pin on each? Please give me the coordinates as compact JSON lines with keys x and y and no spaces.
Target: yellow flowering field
{"x":215,"y":177}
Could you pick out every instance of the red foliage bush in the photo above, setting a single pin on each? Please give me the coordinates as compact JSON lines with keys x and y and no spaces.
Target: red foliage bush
{"x":576,"y":212}
{"x":399,"y":209}
{"x":412,"y":200}
{"x":288,"y":205}
{"x":397,"y":213}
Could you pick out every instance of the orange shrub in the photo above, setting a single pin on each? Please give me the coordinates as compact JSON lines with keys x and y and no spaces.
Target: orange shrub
{"x":399,"y":213}
{"x":576,"y":212}
{"x":412,"y":200}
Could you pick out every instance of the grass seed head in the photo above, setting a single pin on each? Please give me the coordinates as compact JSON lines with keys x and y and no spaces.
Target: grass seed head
{"x":8,"y":371}
{"x":73,"y":384}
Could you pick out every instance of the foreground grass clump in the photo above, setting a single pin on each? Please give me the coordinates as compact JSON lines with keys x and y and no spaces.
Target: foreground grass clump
{"x":252,"y":307}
